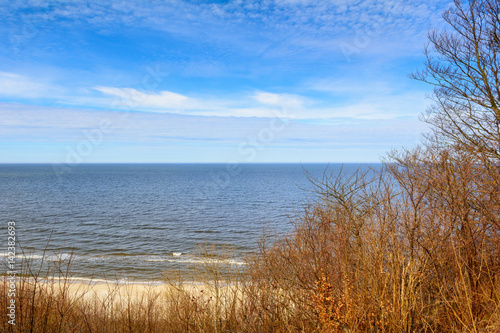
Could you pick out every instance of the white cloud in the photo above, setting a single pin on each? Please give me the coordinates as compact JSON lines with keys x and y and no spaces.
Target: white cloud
{"x":374,"y":101}
{"x":163,"y":100}
{"x":350,"y":86}
{"x":359,"y":100}
{"x":59,"y":124}
{"x":281,"y":100}
{"x":15,"y":85}
{"x":287,"y":22}
{"x":260,"y":104}
{"x":369,"y":104}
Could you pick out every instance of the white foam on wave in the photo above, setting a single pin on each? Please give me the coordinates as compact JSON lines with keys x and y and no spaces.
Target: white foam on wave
{"x":60,"y":257}
{"x":23,"y":256}
{"x":155,"y":260}
{"x":94,"y":281}
{"x":209,"y":261}
{"x":54,"y":257}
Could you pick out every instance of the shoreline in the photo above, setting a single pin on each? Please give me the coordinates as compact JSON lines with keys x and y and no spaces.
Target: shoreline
{"x":118,"y":293}
{"x":119,"y":282}
{"x":84,"y":280}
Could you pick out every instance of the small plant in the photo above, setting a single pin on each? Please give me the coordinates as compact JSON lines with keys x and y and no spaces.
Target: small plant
{"x":332,"y":310}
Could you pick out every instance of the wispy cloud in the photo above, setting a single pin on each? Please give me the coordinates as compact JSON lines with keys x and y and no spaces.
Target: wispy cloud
{"x":334,"y":68}
{"x":281,"y":100}
{"x":359,"y":101}
{"x":43,"y":124}
{"x":163,"y":100}
{"x":15,"y":85}
{"x":283,"y":25}
{"x":368,"y":102}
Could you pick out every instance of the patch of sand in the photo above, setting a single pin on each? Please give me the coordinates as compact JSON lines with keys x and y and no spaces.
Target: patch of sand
{"x":118,"y":293}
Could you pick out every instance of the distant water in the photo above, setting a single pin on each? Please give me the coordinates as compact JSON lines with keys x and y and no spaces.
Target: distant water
{"x":133,"y":221}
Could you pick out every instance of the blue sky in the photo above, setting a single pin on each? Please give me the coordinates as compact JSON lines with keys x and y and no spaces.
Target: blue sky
{"x":211,"y":81}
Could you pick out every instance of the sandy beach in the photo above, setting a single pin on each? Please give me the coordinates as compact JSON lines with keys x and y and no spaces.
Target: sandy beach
{"x":122,"y":293}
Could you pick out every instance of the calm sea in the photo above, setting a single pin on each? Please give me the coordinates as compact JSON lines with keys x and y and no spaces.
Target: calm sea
{"x":134,"y":221}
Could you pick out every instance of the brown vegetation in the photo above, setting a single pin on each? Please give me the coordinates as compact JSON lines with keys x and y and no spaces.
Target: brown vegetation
{"x":413,"y":248}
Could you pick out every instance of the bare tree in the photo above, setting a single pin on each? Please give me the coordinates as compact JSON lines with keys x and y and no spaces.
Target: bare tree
{"x":463,"y":65}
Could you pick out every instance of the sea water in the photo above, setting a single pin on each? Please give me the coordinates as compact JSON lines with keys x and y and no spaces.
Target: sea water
{"x":136,"y":221}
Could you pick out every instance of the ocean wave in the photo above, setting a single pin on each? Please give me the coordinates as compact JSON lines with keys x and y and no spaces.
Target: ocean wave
{"x":209,"y":261}
{"x":92,"y":281}
{"x":23,"y":256}
{"x":61,"y":257}
{"x":56,"y":257}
